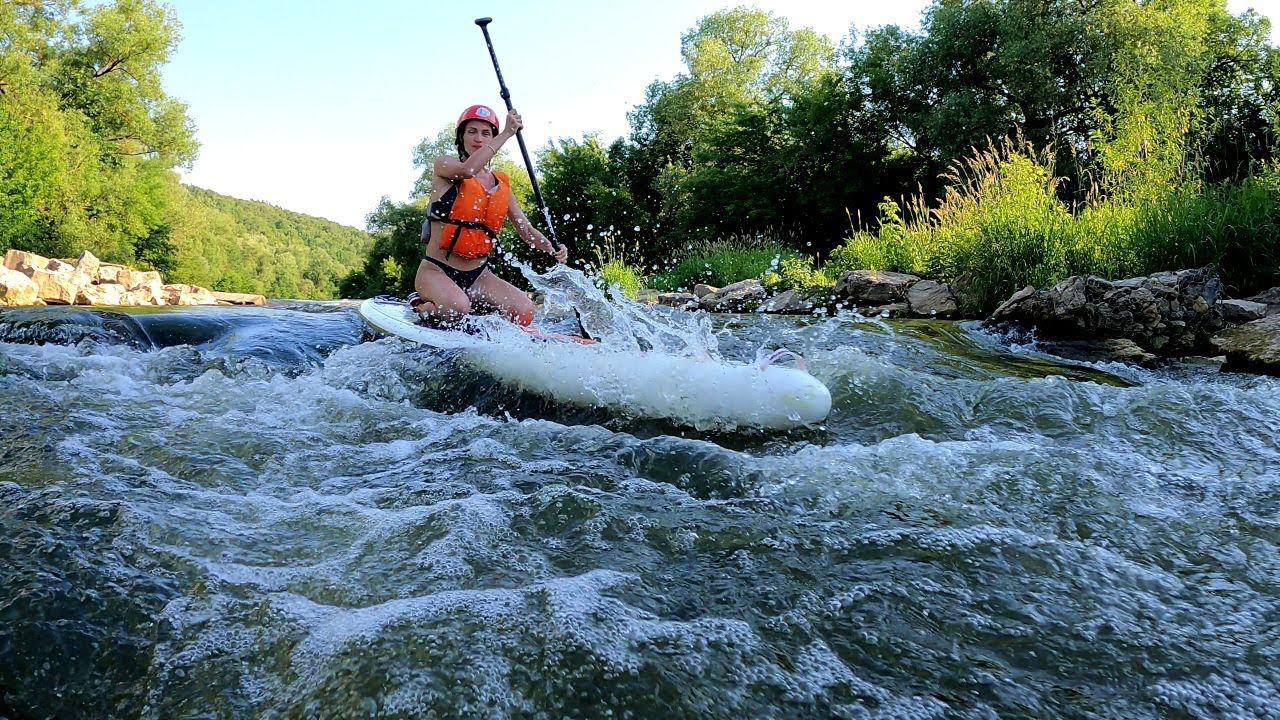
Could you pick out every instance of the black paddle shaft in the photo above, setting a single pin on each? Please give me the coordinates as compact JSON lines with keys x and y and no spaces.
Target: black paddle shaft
{"x":524,"y":151}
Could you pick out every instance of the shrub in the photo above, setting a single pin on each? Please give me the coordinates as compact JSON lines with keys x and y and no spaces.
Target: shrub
{"x":626,"y":278}
{"x":724,"y":262}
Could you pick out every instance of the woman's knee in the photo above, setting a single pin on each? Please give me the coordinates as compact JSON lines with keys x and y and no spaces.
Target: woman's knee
{"x":521,"y":309}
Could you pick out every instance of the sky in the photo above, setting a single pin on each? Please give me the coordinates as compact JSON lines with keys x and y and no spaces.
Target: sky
{"x":316,"y":105}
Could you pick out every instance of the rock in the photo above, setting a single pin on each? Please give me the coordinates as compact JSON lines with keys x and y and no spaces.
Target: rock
{"x":1126,"y":350}
{"x":1267,"y":297}
{"x":644,"y":296}
{"x":1254,"y":346}
{"x":16,"y":288}
{"x":226,"y":298}
{"x":101,"y":294}
{"x":1270,"y":298}
{"x":1172,"y":313}
{"x":87,"y":264}
{"x":929,"y":298}
{"x":112,"y":273}
{"x":891,"y":310}
{"x":1012,"y":308}
{"x":139,"y":278}
{"x":869,"y":287}
{"x":677,"y":299}
{"x":150,"y":292}
{"x":702,"y":290}
{"x":1111,"y":349}
{"x":180,"y":294}
{"x":24,"y":262}
{"x":1235,"y":312}
{"x":743,"y":296}
{"x":59,"y":284}
{"x":789,"y":302}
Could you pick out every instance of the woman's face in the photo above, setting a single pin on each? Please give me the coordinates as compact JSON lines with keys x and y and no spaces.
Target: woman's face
{"x":476,"y":134}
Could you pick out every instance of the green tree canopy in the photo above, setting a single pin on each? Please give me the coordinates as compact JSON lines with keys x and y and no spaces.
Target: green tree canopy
{"x":88,"y":138}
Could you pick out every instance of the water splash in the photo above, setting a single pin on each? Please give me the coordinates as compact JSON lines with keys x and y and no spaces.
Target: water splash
{"x":619,"y":322}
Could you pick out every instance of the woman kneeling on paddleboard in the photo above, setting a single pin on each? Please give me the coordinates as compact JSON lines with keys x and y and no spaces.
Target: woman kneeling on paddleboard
{"x":469,"y":204}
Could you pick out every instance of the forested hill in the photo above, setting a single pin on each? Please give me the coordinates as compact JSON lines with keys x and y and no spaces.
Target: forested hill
{"x":249,"y":246}
{"x":90,"y":146}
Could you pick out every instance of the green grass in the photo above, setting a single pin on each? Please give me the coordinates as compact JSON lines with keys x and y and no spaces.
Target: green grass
{"x":1001,"y":226}
{"x":724,"y":262}
{"x":624,"y":277}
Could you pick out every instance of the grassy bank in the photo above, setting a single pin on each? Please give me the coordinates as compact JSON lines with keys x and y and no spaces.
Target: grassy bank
{"x":1001,"y":226}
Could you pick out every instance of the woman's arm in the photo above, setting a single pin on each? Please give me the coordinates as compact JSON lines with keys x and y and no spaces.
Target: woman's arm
{"x":452,"y":169}
{"x":531,"y":235}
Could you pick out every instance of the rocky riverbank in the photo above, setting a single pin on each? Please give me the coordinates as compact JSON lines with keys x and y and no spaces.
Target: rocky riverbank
{"x":1142,"y":320}
{"x":30,"y":279}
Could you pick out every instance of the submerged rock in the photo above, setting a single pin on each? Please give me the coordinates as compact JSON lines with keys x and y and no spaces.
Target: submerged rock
{"x":789,"y":302}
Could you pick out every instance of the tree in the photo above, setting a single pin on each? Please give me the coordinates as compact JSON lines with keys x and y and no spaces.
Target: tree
{"x":588,"y":194}
{"x":737,"y":61}
{"x":88,"y":137}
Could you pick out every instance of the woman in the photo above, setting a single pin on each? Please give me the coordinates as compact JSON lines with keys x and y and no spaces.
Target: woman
{"x":469,"y":204}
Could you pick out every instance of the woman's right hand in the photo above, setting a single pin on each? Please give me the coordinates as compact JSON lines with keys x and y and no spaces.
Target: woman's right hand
{"x":514,"y":123}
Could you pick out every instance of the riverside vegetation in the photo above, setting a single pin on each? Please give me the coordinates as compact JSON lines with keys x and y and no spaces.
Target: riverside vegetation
{"x":1112,"y":138}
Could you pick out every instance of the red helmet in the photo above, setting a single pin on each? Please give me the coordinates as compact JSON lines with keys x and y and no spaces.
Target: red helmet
{"x":479,"y":112}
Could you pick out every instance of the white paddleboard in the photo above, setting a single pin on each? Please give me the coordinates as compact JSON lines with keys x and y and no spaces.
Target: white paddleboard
{"x":702,"y":393}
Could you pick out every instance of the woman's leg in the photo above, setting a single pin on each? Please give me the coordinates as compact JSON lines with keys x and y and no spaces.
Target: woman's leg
{"x":506,"y":298}
{"x":443,"y":300}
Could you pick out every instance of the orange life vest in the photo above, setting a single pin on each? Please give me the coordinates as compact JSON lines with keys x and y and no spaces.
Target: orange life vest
{"x":472,"y":216}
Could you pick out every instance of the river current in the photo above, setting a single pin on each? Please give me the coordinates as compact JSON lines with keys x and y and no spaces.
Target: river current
{"x":265,"y":512}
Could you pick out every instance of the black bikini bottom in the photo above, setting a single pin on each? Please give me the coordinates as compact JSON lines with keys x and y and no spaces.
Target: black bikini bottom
{"x":462,"y":278}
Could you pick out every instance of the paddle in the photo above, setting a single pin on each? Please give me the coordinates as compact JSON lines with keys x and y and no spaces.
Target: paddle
{"x":524,"y":152}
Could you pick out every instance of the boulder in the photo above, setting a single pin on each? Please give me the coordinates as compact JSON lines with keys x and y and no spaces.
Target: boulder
{"x":181,"y":294}
{"x":112,"y":273}
{"x":24,"y":262}
{"x":148,"y":293}
{"x":87,"y":264}
{"x":226,"y":298}
{"x":702,"y":290}
{"x":929,"y":298}
{"x":789,"y":302}
{"x":869,"y":287}
{"x":1172,"y":313}
{"x":743,"y":296}
{"x":1235,"y":312}
{"x":1270,"y":298}
{"x":16,"y":288}
{"x":101,"y":294}
{"x":58,"y":285}
{"x":890,"y":310}
{"x":677,"y":299}
{"x":1253,"y":346}
{"x":139,"y":278}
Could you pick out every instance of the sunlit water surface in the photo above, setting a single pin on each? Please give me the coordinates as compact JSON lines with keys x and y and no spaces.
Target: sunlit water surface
{"x":266,"y":513}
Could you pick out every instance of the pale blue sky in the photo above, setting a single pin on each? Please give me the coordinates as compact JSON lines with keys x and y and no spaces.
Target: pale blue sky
{"x":316,"y":106}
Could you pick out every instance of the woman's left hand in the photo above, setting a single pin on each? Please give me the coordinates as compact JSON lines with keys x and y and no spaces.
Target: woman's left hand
{"x":561,"y":253}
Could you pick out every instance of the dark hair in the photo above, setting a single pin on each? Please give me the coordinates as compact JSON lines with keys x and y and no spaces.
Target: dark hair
{"x":457,"y":142}
{"x":457,"y":137}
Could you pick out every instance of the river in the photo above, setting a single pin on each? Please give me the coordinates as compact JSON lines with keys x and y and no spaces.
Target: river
{"x":264,"y":512}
